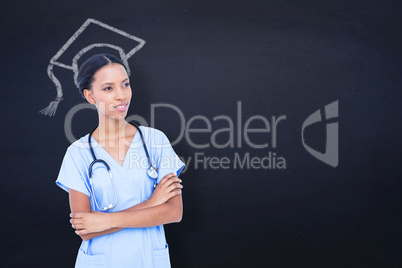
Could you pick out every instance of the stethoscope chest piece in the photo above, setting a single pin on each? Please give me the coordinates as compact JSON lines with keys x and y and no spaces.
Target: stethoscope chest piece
{"x":152,"y":173}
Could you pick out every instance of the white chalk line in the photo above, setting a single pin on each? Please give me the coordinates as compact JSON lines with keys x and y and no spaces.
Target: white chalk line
{"x":50,"y":110}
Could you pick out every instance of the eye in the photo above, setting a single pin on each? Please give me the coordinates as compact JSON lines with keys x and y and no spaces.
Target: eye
{"x":126,"y":84}
{"x":107,"y":88}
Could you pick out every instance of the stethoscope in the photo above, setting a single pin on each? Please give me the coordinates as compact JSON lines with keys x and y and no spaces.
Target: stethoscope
{"x":151,"y":171}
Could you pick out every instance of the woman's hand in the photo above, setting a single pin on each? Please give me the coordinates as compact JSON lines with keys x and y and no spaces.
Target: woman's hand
{"x":93,"y":222}
{"x":167,"y":188}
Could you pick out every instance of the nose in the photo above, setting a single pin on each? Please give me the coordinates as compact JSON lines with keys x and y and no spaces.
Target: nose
{"x":120,"y":94}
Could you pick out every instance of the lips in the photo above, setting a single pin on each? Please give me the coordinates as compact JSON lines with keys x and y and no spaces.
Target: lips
{"x":121,"y":107}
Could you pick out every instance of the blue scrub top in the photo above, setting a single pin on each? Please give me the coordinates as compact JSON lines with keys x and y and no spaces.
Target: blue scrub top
{"x":130,"y":247}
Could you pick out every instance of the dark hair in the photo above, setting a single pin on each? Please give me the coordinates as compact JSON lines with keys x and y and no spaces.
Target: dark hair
{"x":88,"y":69}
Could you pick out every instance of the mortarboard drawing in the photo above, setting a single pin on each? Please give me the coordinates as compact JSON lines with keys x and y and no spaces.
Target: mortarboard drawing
{"x":72,"y":50}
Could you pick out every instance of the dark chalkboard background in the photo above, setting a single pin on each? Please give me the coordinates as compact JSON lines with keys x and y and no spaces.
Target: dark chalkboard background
{"x":274,"y":57}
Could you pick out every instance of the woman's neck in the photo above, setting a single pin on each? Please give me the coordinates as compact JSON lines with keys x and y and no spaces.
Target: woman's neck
{"x":111,"y":128}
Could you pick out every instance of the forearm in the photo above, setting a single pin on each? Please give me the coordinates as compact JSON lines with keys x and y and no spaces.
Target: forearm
{"x":143,"y":205}
{"x":168,"y":212}
{"x":106,"y":232}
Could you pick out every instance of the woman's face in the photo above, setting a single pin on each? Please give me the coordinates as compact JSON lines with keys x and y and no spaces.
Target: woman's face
{"x":111,"y":91}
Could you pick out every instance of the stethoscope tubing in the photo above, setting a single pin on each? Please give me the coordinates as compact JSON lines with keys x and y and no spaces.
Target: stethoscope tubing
{"x":151,"y":171}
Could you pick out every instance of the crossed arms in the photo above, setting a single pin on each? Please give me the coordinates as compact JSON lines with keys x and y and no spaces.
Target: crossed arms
{"x":164,"y":206}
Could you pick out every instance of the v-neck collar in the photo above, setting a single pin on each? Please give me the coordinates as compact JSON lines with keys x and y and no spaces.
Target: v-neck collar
{"x":122,"y":169}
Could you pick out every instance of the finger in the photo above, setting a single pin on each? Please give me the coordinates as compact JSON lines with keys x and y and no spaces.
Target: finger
{"x":76,"y":221}
{"x":81,"y":232}
{"x":172,"y":180}
{"x":174,"y":187}
{"x":175,"y":179}
{"x":174,"y":193}
{"x":77,"y":226}
{"x":166,"y":177}
{"x":76,"y":215}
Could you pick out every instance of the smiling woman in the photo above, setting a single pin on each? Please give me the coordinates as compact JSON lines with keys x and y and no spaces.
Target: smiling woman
{"x":110,"y":92}
{"x":128,"y":233}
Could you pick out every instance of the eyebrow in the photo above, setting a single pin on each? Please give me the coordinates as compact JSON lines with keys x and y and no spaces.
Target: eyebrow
{"x":108,"y":83}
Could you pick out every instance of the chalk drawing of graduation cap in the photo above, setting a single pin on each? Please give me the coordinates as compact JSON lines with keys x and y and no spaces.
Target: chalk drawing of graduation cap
{"x":56,"y":60}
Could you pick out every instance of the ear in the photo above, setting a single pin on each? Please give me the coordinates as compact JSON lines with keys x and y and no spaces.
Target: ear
{"x":89,"y":96}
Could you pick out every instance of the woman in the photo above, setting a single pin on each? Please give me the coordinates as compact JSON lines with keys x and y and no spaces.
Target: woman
{"x":129,"y":230}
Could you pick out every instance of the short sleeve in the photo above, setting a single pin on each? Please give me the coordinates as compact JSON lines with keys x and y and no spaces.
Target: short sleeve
{"x":168,"y":161}
{"x":70,"y":175}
